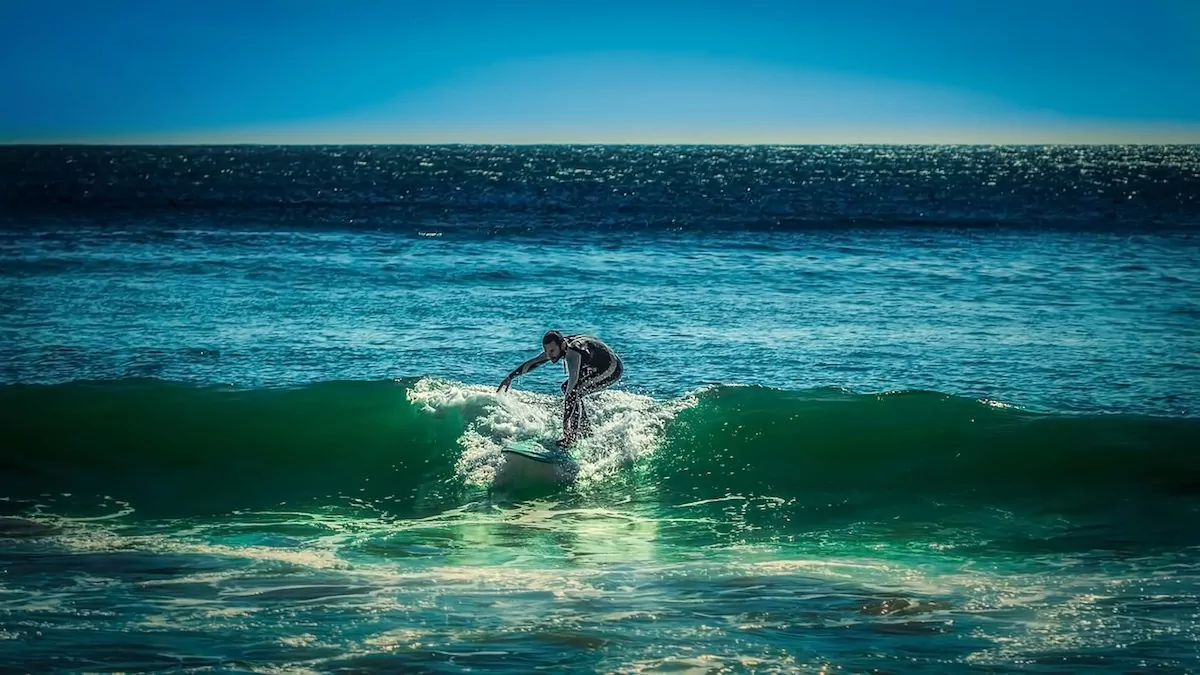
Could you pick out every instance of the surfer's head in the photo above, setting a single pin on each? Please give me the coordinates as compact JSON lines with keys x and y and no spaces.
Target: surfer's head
{"x":554,"y":344}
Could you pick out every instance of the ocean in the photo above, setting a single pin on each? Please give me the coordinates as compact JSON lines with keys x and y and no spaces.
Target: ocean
{"x":893,"y":409}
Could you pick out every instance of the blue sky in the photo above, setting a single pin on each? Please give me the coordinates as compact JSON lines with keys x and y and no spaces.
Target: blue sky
{"x":737,"y":71}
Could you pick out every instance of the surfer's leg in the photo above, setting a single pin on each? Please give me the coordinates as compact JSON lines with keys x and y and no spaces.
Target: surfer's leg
{"x":582,"y":426}
{"x":573,"y":416}
{"x":596,"y":381}
{"x":591,"y":383}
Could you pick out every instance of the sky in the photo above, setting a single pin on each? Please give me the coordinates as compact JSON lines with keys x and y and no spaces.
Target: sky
{"x":736,"y":71}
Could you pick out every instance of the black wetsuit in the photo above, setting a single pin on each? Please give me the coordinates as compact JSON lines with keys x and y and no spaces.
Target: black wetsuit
{"x":591,"y":366}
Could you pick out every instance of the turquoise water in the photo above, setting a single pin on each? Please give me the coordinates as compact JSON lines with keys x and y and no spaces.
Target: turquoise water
{"x":249,"y":423}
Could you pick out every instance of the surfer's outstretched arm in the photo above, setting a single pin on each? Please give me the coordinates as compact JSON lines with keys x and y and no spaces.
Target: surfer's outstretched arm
{"x":522,"y":369}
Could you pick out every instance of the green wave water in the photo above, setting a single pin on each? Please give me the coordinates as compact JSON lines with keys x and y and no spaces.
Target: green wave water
{"x":415,"y":445}
{"x":917,"y":442}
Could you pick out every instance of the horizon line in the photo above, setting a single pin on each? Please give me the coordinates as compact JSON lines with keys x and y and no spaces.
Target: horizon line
{"x":265,"y":144}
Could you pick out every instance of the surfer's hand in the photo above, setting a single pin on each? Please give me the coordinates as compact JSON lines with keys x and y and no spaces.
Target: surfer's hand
{"x":504,"y":385}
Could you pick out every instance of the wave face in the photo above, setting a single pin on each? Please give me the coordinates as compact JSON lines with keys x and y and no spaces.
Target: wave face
{"x":419,"y":444}
{"x":787,"y":444}
{"x":177,"y":448}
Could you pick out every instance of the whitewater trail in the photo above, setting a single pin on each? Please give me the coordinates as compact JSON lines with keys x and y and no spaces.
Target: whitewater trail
{"x":626,"y":426}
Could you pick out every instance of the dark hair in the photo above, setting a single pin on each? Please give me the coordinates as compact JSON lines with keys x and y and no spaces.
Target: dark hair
{"x":552,"y":336}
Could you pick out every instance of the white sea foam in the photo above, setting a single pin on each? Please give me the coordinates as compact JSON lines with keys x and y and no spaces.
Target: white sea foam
{"x":625,"y":426}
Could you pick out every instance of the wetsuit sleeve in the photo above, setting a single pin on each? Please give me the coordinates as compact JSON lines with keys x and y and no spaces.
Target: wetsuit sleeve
{"x":573,"y":363}
{"x":529,"y":365}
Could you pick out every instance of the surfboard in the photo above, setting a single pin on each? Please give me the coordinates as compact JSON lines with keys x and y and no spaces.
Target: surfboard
{"x":540,"y":449}
{"x":534,"y":464}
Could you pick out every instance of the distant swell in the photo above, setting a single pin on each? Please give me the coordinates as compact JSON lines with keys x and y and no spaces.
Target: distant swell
{"x":507,"y":190}
{"x":169,"y":447}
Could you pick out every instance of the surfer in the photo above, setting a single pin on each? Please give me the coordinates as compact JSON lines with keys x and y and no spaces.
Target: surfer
{"x":591,"y":366}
